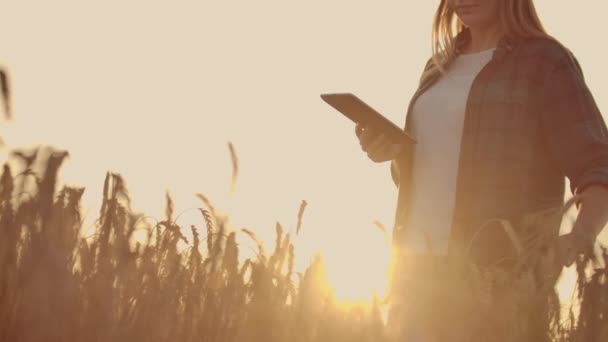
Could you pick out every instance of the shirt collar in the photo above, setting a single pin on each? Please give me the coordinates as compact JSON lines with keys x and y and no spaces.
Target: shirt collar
{"x":505,"y":44}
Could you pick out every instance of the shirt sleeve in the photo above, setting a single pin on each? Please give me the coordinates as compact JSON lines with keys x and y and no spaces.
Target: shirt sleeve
{"x":574,"y":130}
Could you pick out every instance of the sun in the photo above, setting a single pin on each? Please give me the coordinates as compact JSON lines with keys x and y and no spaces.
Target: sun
{"x":359,"y":275}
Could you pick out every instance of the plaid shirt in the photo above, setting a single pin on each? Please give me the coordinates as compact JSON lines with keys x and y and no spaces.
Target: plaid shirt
{"x":530,"y":120}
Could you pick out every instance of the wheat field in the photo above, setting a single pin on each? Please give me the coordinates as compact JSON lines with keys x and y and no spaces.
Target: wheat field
{"x":58,"y":284}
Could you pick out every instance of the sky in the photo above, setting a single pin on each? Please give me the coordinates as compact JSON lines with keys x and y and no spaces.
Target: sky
{"x":155,"y":90}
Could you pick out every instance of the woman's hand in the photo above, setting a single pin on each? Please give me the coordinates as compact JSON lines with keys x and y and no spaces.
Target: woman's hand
{"x":571,"y":245}
{"x":378,"y":147}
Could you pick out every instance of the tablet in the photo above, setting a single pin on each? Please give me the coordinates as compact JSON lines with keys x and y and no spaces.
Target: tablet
{"x":360,"y":112}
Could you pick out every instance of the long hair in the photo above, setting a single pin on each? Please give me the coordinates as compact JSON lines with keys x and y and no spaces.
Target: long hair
{"x":518,"y":18}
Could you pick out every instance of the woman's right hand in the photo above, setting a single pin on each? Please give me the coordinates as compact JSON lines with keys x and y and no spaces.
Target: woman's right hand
{"x":377,"y":146}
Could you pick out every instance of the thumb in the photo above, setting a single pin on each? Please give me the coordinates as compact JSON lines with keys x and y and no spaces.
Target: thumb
{"x":569,"y":255}
{"x":570,"y":258}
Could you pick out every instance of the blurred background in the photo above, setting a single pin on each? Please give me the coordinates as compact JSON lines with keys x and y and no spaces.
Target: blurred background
{"x":155,"y":90}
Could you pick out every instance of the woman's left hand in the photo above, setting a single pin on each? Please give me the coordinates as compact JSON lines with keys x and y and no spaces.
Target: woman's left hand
{"x":571,"y":245}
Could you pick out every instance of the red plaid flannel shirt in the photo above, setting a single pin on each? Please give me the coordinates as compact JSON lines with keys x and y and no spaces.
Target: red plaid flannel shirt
{"x":530,"y":121}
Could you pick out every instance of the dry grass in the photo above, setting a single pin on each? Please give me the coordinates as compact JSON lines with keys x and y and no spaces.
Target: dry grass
{"x":5,"y":92}
{"x":56,"y":285}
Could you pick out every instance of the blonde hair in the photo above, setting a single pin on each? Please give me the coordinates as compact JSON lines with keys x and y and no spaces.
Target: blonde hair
{"x":518,"y":19}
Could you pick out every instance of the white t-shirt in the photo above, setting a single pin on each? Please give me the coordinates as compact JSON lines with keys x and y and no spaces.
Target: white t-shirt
{"x":437,"y":123}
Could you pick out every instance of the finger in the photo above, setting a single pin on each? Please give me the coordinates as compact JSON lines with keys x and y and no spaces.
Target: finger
{"x":386,"y":150}
{"x":359,"y":128}
{"x":570,"y":259}
{"x":396,"y":150}
{"x":568,"y":253}
{"x":378,"y":148}
{"x":380,"y":144}
{"x":367,"y":138}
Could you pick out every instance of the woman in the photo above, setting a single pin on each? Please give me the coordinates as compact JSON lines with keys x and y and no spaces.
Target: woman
{"x":501,"y":115}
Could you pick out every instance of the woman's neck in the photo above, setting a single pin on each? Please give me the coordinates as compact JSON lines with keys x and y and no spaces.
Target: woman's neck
{"x":483,"y":39}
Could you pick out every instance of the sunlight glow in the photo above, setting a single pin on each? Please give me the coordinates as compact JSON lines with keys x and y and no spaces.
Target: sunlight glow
{"x":158,"y":102}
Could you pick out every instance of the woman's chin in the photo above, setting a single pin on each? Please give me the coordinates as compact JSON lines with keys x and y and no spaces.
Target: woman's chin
{"x":476,"y":23}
